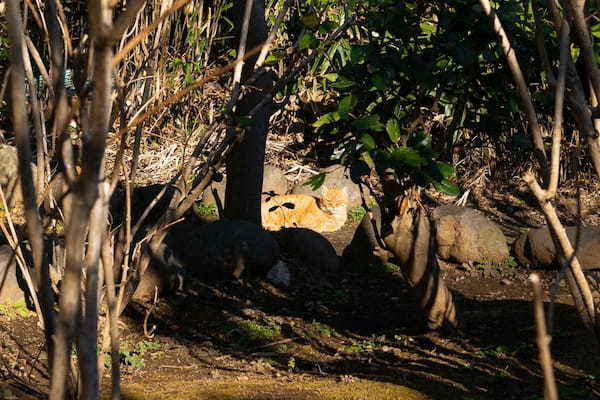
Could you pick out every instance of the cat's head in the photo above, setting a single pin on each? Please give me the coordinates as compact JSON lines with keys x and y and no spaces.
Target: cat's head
{"x":334,"y":197}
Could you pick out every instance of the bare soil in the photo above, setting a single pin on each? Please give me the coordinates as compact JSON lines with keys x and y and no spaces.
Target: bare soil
{"x":350,"y":335}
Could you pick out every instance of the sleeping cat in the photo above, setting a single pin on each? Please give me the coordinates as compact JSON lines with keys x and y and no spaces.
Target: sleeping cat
{"x":326,"y":214}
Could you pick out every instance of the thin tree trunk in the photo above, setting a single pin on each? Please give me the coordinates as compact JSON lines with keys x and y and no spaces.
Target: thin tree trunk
{"x":246,"y":165}
{"x":412,"y":244}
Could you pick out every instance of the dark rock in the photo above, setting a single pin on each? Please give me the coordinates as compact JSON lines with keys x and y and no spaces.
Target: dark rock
{"x":163,"y":276}
{"x":466,"y":235}
{"x":338,"y":177}
{"x":223,"y":249}
{"x":310,"y":247}
{"x":360,"y":250}
{"x":536,"y":248}
{"x":141,"y":198}
{"x":11,"y":286}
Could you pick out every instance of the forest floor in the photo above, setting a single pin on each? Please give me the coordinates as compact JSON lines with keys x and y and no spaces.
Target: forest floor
{"x":350,"y":335}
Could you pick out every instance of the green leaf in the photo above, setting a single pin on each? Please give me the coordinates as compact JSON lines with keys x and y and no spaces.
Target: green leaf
{"x":346,"y":106}
{"x":378,"y":81}
{"x":327,"y":27}
{"x":595,"y":29}
{"x":368,"y":141}
{"x":316,"y":181}
{"x":445,"y":169}
{"x":343,"y":83}
{"x":446,"y":186}
{"x":393,"y":130}
{"x":420,"y":140}
{"x":407,"y":156}
{"x":358,"y":54}
{"x":327,"y":119}
{"x":332,"y":77}
{"x":369,"y":122}
{"x":307,"y":41}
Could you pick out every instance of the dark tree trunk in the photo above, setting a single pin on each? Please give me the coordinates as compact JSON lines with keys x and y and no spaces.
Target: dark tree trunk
{"x":246,"y":164}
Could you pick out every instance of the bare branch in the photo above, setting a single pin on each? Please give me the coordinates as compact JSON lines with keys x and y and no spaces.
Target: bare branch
{"x":543,"y":339}
{"x":558,"y":231}
{"x":558,"y":110}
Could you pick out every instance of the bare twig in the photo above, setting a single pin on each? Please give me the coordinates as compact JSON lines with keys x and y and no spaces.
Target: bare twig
{"x":543,"y":340}
{"x":579,"y":284}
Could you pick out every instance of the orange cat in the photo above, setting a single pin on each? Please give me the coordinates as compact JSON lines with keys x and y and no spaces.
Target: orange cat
{"x":326,"y":214}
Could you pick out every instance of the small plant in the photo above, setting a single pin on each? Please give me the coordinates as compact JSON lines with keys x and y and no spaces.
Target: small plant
{"x":133,"y":355}
{"x":17,"y":308}
{"x":324,"y":330}
{"x":378,"y":269}
{"x":131,"y":358}
{"x":508,"y":266}
{"x":291,"y":364}
{"x":205,"y":210}
{"x":145,"y":345}
{"x":355,"y":214}
{"x":255,"y":332}
{"x":358,"y":347}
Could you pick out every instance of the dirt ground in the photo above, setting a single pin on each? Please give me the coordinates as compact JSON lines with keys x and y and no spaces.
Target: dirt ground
{"x":350,"y":335}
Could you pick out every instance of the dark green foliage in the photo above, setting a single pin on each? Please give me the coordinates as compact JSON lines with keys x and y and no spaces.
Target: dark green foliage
{"x":395,"y":81}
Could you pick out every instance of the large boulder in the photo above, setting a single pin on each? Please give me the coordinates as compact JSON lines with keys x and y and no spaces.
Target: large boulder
{"x":338,"y":177}
{"x":223,"y":249}
{"x":466,"y":235}
{"x":9,"y":175}
{"x":535,"y":248}
{"x":11,"y":286}
{"x":310,"y":247}
{"x":274,"y":183}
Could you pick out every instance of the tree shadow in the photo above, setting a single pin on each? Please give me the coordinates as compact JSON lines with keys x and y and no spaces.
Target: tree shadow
{"x":364,"y":325}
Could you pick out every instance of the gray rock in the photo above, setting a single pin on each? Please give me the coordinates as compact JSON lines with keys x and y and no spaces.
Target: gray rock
{"x":274,"y":183}
{"x":338,"y":177}
{"x":11,"y":287}
{"x":280,"y":274}
{"x":223,"y":249}
{"x":208,"y":196}
{"x":311,"y":248}
{"x":466,"y":235}
{"x":536,"y":248}
{"x":9,"y":174}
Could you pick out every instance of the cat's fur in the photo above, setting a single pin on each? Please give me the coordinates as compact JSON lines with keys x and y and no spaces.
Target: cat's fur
{"x":326,"y":214}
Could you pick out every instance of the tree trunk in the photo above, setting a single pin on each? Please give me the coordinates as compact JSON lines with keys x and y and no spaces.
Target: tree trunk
{"x":412,"y":246}
{"x":246,"y":164}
